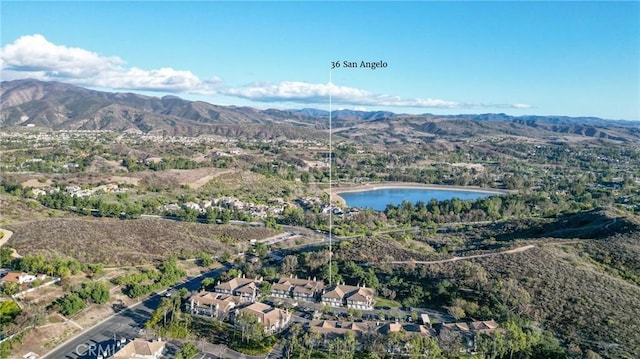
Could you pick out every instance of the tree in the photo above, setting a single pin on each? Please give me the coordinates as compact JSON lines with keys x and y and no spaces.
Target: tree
{"x":492,"y":346}
{"x":211,"y":214}
{"x":421,"y":347}
{"x":450,"y":342}
{"x":8,"y":311}
{"x":99,"y":293}
{"x":188,"y":351}
{"x":293,"y":341}
{"x":136,"y":290}
{"x":188,"y":214}
{"x":289,"y":264}
{"x":224,"y":216}
{"x":333,"y":272}
{"x":344,"y":347}
{"x":270,"y":222}
{"x":10,"y":288}
{"x":516,"y":338}
{"x":231,"y":273}
{"x":71,"y":304}
{"x":265,"y":287}
{"x":30,"y":316}
{"x":205,"y":259}
{"x":261,"y":250}
{"x":95,"y":269}
{"x":5,"y":256}
{"x":512,"y":295}
{"x":304,"y":177}
{"x":207,"y":283}
{"x":456,"y":312}
{"x":370,"y":279}
{"x":476,"y":276}
{"x":225,"y":257}
{"x":252,"y":330}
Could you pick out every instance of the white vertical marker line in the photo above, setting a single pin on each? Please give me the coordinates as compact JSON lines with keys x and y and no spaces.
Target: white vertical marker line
{"x":330,"y":184}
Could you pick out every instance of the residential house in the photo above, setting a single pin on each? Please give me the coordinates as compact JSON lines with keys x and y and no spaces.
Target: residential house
{"x":419,"y":329}
{"x":22,"y":278}
{"x":355,"y":297}
{"x":330,"y":329}
{"x":390,"y":328}
{"x":245,"y":288}
{"x":214,"y":305}
{"x":273,"y":319}
{"x":424,"y":318}
{"x":470,"y":331}
{"x":192,"y":205}
{"x":409,"y":328}
{"x":140,"y":349}
{"x":486,"y":326}
{"x":38,"y":192}
{"x":300,"y":289}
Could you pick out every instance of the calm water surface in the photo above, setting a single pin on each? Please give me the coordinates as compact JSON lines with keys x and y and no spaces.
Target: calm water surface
{"x":379,"y":198}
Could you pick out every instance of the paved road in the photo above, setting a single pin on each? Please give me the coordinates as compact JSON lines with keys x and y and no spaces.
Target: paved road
{"x":126,"y":324}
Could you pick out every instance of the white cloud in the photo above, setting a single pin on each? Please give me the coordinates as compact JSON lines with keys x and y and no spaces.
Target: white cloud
{"x":310,"y":93}
{"x":35,"y":57}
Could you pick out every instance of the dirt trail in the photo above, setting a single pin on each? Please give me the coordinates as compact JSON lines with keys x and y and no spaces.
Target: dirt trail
{"x":204,"y":180}
{"x":5,"y":238}
{"x":454,"y":259}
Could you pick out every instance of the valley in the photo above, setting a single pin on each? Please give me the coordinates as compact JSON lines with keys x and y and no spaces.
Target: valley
{"x":139,"y":193}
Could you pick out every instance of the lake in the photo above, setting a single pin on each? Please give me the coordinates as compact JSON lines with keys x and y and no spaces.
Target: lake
{"x":379,"y":198}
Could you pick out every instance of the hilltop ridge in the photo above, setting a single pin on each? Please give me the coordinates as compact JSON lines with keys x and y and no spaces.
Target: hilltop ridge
{"x":58,"y":106}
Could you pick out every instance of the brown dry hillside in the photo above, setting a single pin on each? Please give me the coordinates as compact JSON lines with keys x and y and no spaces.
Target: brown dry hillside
{"x":14,"y":209}
{"x":119,"y":242}
{"x":381,"y":249}
{"x":575,"y":297}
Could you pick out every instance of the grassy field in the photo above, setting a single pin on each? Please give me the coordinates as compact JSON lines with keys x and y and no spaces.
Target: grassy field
{"x":384,"y":302}
{"x":128,"y":242}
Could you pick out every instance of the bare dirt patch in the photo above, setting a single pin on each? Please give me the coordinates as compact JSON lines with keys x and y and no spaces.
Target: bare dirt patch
{"x":36,"y":183}
{"x":102,"y":165}
{"x":194,"y":178}
{"x":477,"y":166}
{"x":43,"y":295}
{"x":192,"y":268}
{"x":42,"y":339}
{"x":204,"y":180}
{"x":93,"y":314}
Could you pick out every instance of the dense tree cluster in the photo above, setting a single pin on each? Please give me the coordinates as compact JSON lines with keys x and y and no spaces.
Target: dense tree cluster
{"x":149,"y":280}
{"x":87,"y":293}
{"x":168,"y":320}
{"x":55,"y":266}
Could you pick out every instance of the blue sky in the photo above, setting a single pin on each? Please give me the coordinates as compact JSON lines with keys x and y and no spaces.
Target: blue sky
{"x":560,"y":58}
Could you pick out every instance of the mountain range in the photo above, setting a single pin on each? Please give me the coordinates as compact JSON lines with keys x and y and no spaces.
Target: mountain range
{"x":56,"y":105}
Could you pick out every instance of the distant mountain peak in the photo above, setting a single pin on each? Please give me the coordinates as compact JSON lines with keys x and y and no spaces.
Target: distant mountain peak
{"x":58,"y":105}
